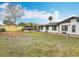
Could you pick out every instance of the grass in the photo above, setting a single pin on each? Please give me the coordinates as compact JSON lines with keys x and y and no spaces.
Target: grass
{"x":37,"y":44}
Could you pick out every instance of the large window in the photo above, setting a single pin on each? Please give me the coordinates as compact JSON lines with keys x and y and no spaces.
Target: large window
{"x":54,"y":28}
{"x":64,"y":28}
{"x":77,"y":19}
{"x":47,"y":28}
{"x":73,"y":28}
{"x":41,"y":27}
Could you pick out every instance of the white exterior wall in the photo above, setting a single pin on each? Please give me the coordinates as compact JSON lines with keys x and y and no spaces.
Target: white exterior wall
{"x":50,"y":29}
{"x":73,"y":22}
{"x":43,"y":30}
{"x":77,"y":28}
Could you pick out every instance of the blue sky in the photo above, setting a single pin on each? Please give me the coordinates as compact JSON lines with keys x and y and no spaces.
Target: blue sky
{"x":60,"y":10}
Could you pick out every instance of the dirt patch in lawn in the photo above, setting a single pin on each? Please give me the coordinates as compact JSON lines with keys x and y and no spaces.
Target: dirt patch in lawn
{"x":15,"y":35}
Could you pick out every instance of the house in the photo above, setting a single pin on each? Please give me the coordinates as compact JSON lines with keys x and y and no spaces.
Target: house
{"x":50,"y":27}
{"x":67,"y":26}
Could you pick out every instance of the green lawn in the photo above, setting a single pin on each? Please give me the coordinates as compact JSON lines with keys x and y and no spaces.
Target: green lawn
{"x":37,"y":44}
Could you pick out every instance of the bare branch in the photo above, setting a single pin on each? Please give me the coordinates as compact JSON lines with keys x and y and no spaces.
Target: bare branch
{"x":14,"y":11}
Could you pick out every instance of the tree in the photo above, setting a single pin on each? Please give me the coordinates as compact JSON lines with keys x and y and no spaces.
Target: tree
{"x":50,"y":18}
{"x":7,"y":20}
{"x":30,"y":24}
{"x":33,"y":25}
{"x":14,"y":11}
{"x":22,"y":24}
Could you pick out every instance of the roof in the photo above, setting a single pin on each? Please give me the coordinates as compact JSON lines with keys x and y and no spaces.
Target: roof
{"x":54,"y":23}
{"x":42,"y":25}
{"x":50,"y":24}
{"x":69,"y":19}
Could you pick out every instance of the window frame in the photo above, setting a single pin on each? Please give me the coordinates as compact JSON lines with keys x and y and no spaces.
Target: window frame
{"x":54,"y":28}
{"x":73,"y":28}
{"x":47,"y":27}
{"x":41,"y":27}
{"x":64,"y":27}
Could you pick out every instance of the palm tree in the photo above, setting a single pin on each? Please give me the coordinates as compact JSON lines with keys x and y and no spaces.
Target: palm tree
{"x":50,"y":18}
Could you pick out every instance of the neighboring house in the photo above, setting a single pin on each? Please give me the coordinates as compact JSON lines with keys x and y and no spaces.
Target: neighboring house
{"x":68,"y":26}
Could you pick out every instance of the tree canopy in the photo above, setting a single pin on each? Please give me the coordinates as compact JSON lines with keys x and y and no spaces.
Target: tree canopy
{"x":12,"y":13}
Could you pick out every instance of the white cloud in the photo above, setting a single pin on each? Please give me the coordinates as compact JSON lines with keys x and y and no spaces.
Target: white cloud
{"x":1,"y":21}
{"x":55,"y":16}
{"x":36,"y":14}
{"x":51,"y":10}
{"x":4,"y":5}
{"x":71,"y":15}
{"x":2,"y":11}
{"x":42,"y":15}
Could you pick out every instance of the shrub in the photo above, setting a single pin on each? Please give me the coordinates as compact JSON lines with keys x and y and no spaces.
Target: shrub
{"x":2,"y":30}
{"x":22,"y":29}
